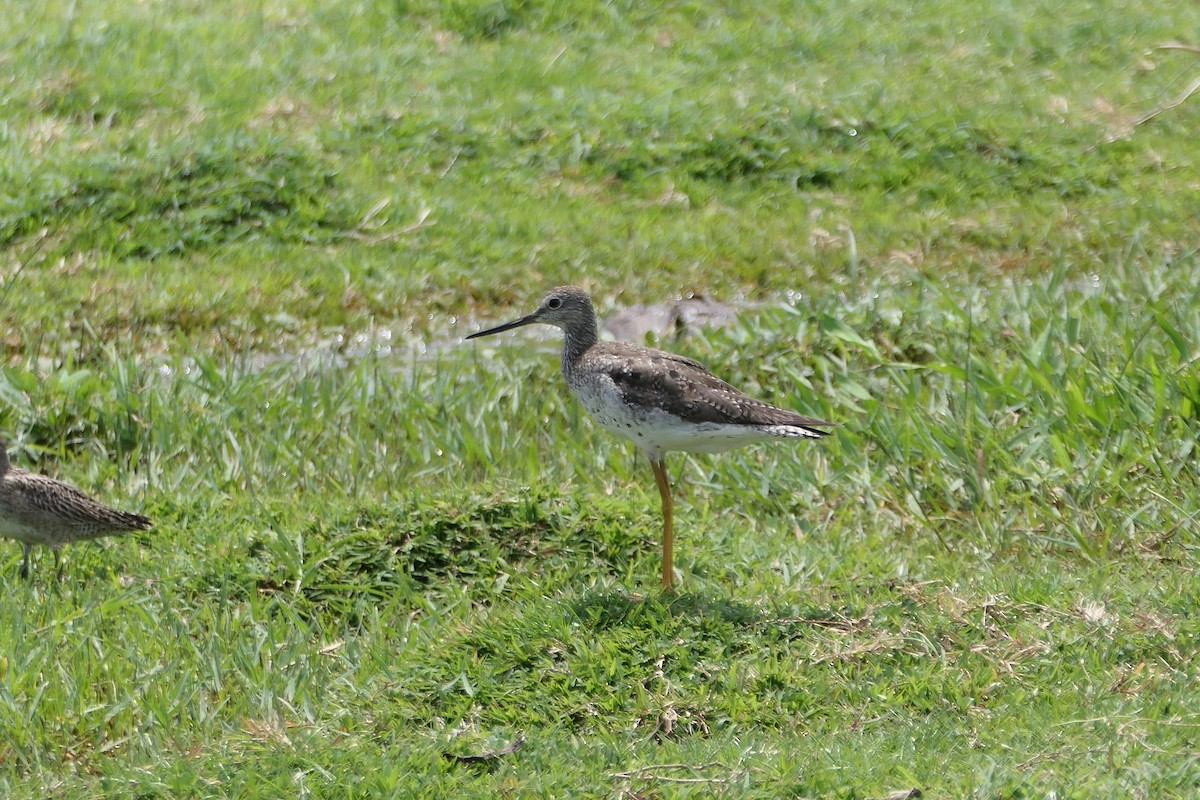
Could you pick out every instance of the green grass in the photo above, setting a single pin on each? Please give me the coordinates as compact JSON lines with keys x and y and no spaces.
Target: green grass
{"x":241,"y":242}
{"x":392,"y":160}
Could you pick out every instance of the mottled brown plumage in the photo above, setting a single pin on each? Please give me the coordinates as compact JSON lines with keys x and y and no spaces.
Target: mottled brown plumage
{"x":37,"y":509}
{"x":685,"y":389}
{"x":661,"y":401}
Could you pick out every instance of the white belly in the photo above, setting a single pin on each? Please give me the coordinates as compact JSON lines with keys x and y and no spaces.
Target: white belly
{"x":657,"y":432}
{"x":12,"y":529}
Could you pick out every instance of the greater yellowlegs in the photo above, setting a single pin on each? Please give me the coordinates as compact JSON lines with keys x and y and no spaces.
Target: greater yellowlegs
{"x":660,"y":401}
{"x":37,"y":509}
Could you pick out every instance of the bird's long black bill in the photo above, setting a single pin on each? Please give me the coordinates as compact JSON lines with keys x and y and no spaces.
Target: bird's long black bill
{"x":508,"y":326}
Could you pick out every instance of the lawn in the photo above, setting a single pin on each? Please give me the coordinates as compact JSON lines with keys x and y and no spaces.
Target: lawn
{"x":241,"y":244}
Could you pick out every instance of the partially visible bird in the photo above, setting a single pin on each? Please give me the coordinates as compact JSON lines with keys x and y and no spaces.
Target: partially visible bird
{"x":660,"y":401}
{"x":37,"y":509}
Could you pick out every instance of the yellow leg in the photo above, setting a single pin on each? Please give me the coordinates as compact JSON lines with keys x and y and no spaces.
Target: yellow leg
{"x":664,"y":489}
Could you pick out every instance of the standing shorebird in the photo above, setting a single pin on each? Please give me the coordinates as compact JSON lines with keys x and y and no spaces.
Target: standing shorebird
{"x":37,"y":509}
{"x":660,"y":401}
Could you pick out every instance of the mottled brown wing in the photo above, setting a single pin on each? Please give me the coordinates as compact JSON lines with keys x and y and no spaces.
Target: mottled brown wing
{"x":686,"y":389}
{"x":37,"y":497}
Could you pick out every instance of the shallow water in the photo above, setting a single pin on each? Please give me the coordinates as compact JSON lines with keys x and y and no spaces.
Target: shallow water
{"x":400,"y":347}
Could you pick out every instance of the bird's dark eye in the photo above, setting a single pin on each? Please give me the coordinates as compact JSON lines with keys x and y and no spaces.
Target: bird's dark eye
{"x":553,"y":302}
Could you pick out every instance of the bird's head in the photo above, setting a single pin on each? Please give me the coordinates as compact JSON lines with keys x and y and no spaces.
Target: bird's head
{"x":564,"y":307}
